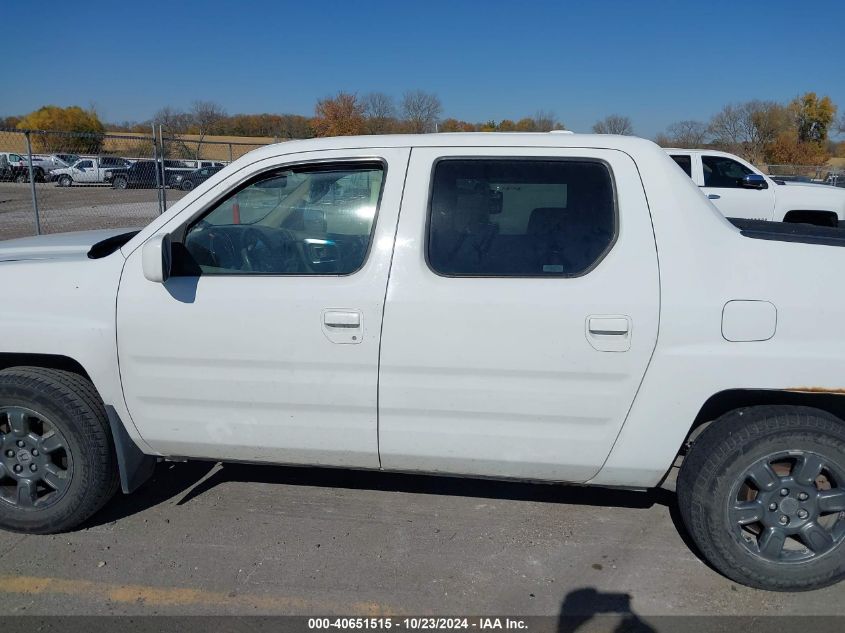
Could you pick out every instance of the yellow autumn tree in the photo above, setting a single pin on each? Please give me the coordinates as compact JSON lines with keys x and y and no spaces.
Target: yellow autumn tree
{"x":86,"y":128}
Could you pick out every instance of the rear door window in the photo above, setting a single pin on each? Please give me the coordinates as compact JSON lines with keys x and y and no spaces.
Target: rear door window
{"x":520,"y":217}
{"x":684,"y":162}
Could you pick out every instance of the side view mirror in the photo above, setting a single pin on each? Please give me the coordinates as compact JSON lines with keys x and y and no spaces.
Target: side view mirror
{"x":156,"y":258}
{"x":754,"y":181}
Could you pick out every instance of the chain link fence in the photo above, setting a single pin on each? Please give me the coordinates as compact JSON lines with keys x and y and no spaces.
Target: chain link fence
{"x":807,"y":173}
{"x":51,"y":182}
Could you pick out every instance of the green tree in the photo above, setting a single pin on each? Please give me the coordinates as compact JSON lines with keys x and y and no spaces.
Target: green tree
{"x":85,"y":124}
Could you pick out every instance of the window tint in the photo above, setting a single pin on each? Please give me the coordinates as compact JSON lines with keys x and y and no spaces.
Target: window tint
{"x":84,"y":164}
{"x":491,"y":217}
{"x":303,"y":221}
{"x":723,"y":172}
{"x":684,"y":162}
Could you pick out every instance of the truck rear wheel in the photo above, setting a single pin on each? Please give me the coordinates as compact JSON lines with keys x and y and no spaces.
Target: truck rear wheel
{"x":57,"y":457}
{"x":119,"y":182}
{"x":762,"y":493}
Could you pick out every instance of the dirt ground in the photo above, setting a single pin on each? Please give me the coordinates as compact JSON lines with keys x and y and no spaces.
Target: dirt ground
{"x":75,"y":208}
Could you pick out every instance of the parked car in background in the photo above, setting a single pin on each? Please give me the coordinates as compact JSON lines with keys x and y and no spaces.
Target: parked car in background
{"x":835,"y":179}
{"x":14,"y":166}
{"x":542,"y":307}
{"x":188,"y":181}
{"x":740,"y":190}
{"x":142,"y":174}
{"x":197,"y":164}
{"x":87,"y":171}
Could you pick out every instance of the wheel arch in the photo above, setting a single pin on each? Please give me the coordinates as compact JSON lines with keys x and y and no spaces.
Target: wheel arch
{"x":830,"y":400}
{"x":46,"y":361}
{"x":134,"y":465}
{"x":812,"y":216}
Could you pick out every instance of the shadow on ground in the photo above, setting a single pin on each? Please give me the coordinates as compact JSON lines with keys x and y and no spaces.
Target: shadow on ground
{"x":189,"y":480}
{"x":590,"y":609}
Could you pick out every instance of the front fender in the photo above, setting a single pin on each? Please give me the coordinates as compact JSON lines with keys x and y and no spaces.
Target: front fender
{"x":65,"y":306}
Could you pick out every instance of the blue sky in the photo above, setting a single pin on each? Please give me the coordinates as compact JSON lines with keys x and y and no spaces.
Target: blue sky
{"x":655,"y":61}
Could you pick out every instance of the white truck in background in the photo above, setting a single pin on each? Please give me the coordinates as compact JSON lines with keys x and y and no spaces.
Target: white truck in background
{"x":15,"y":166}
{"x":87,"y":171}
{"x":740,"y":190}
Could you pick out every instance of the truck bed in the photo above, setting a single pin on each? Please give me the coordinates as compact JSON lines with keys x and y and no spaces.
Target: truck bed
{"x":790,"y":232}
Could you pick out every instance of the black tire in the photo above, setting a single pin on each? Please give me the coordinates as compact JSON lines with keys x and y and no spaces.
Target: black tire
{"x":187,"y":185}
{"x":61,"y":405}
{"x":38,"y":173}
{"x":753,"y":506}
{"x":65,"y":181}
{"x":119,"y":182}
{"x":21,"y":177}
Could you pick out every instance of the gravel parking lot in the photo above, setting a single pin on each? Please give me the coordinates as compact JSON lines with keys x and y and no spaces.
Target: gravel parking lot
{"x":208,"y":539}
{"x":75,"y":208}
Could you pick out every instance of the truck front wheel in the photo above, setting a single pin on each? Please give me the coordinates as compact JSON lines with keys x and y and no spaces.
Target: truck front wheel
{"x":57,"y":457}
{"x":762,"y":493}
{"x":65,"y":181}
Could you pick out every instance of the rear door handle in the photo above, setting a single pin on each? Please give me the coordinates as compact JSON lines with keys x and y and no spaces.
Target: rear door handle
{"x":345,"y":327}
{"x":611,"y":333}
{"x":336,"y":319}
{"x":609,"y":326}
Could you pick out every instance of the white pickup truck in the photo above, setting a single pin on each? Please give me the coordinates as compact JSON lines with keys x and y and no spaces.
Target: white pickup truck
{"x":87,"y":171}
{"x":740,"y":190}
{"x":15,"y":166}
{"x":546,"y":307}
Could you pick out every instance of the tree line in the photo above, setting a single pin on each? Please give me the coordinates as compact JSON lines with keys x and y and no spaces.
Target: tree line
{"x":767,"y":132}
{"x":797,"y":132}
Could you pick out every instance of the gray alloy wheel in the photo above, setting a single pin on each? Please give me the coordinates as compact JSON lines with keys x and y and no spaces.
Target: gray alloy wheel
{"x":187,"y":185}
{"x":65,"y":181}
{"x":119,"y":182}
{"x":35,"y":465}
{"x":788,"y":507}
{"x":762,"y":494}
{"x":58,"y":464}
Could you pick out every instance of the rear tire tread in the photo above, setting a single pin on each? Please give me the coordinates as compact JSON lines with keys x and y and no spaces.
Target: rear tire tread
{"x":702,"y":471}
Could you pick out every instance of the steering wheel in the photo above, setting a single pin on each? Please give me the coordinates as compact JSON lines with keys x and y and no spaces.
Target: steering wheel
{"x":259,"y":254}
{"x":212,"y":246}
{"x":273,"y":252}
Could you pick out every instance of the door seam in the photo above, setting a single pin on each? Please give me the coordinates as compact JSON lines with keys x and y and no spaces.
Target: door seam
{"x":384,"y":308}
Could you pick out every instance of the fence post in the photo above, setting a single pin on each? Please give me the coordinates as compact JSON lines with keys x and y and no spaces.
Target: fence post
{"x":163,"y":172}
{"x":155,"y":167}
{"x":32,"y":184}
{"x":230,"y":152}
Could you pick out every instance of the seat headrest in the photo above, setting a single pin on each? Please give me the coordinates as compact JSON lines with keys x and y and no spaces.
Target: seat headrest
{"x":545,"y":219}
